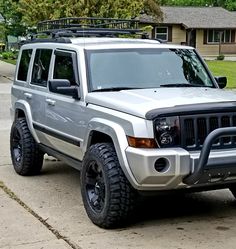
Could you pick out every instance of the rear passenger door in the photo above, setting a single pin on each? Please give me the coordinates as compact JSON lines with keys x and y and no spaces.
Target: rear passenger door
{"x":63,"y":113}
{"x":38,"y":62}
{"x":38,"y":84}
{"x":31,"y":85}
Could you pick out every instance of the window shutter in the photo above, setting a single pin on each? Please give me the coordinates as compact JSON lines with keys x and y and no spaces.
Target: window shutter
{"x":205,"y":37}
{"x":170,"y":34}
{"x":233,"y":36}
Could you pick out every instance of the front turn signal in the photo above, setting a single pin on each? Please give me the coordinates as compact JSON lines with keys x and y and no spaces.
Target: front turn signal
{"x":148,"y":143}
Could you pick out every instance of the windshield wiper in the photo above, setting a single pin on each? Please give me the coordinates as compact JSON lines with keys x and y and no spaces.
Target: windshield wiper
{"x":181,"y":85}
{"x":114,"y":89}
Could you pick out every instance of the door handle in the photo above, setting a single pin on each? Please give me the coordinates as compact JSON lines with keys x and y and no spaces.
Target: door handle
{"x":50,"y":102}
{"x":28,"y":95}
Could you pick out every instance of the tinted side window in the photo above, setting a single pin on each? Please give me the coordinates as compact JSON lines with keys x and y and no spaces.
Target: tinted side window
{"x":63,"y":68}
{"x":41,"y":67}
{"x":24,"y":64}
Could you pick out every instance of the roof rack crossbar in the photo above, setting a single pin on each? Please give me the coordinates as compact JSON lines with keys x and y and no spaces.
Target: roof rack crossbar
{"x":96,"y":30}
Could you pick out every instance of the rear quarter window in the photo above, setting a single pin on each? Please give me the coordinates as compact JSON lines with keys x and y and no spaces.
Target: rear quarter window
{"x":24,"y":64}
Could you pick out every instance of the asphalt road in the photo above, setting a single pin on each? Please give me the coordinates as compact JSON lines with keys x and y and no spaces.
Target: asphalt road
{"x":46,"y":211}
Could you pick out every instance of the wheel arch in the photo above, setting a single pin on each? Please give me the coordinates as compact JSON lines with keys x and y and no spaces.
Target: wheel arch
{"x":22,"y":110}
{"x":101,"y":130}
{"x":96,"y":136}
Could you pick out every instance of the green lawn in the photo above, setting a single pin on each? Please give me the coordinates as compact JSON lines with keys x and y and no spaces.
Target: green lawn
{"x":224,"y":68}
{"x":11,"y":61}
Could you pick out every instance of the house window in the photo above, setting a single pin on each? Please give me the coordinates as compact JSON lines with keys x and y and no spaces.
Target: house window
{"x":213,"y":36}
{"x":161,"y":33}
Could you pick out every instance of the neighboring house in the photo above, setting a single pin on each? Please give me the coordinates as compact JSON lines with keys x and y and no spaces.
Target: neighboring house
{"x":12,"y":42}
{"x":200,"y":27}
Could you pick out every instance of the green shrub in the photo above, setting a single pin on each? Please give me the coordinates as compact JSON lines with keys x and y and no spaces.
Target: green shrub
{"x":220,"y":57}
{"x":5,"y":55}
{"x":12,"y":55}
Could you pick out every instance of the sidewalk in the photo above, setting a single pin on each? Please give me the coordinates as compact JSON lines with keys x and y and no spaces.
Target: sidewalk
{"x":7,"y":72}
{"x":20,"y":230}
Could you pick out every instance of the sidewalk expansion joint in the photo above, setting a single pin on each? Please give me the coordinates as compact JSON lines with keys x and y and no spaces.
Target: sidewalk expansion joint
{"x":13,"y":196}
{"x":6,"y":77}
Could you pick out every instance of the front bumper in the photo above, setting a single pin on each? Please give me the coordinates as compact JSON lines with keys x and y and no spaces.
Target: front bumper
{"x":183,"y":168}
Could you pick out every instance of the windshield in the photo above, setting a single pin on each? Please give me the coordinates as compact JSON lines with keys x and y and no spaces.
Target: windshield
{"x":145,"y":68}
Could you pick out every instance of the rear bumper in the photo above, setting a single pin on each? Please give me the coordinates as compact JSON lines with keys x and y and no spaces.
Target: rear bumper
{"x":183,"y":168}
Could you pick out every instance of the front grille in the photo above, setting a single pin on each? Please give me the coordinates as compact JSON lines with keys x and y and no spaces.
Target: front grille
{"x":195,"y":128}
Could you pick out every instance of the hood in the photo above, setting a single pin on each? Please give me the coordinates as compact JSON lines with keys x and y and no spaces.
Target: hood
{"x":139,"y":102}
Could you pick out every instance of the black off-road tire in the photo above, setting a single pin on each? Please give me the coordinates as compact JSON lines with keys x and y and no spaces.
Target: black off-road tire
{"x":108,"y":197}
{"x":26,"y":156}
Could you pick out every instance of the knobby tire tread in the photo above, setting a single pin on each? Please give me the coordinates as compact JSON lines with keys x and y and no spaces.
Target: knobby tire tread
{"x":32,"y":157}
{"x":121,"y":194}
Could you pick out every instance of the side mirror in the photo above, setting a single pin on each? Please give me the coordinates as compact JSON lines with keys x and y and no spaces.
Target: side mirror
{"x":63,"y":87}
{"x":222,"y":81}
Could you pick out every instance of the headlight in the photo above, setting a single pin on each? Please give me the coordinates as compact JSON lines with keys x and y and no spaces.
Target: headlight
{"x":167,"y":131}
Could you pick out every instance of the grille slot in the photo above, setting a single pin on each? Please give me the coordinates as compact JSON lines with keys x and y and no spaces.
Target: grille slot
{"x":195,"y":128}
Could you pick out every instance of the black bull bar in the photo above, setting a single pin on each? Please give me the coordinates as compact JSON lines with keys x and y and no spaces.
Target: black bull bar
{"x":202,"y":165}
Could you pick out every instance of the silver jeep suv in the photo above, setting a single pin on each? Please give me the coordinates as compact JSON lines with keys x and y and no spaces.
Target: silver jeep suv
{"x":134,"y":115}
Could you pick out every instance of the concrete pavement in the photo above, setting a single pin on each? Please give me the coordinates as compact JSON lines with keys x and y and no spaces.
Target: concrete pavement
{"x":7,"y":72}
{"x":19,"y":228}
{"x":46,"y":211}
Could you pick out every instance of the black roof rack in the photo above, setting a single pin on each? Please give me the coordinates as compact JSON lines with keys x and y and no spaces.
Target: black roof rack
{"x":89,"y":26}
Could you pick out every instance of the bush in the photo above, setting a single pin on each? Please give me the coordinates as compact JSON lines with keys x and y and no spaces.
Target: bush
{"x":220,"y":57}
{"x":5,"y":55}
{"x":9,"y":55}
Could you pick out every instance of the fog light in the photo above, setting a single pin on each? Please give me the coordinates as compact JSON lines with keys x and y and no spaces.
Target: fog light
{"x":161,"y":165}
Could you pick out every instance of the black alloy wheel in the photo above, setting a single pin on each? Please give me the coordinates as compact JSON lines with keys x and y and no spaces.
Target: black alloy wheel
{"x":17,"y":146}
{"x":95,"y":186}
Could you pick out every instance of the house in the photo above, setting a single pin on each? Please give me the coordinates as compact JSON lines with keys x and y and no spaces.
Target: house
{"x":212,"y":30}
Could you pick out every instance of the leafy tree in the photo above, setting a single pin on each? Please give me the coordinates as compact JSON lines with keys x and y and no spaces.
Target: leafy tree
{"x":230,"y":5}
{"x":34,"y":11}
{"x":38,"y":10}
{"x":12,"y":24}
